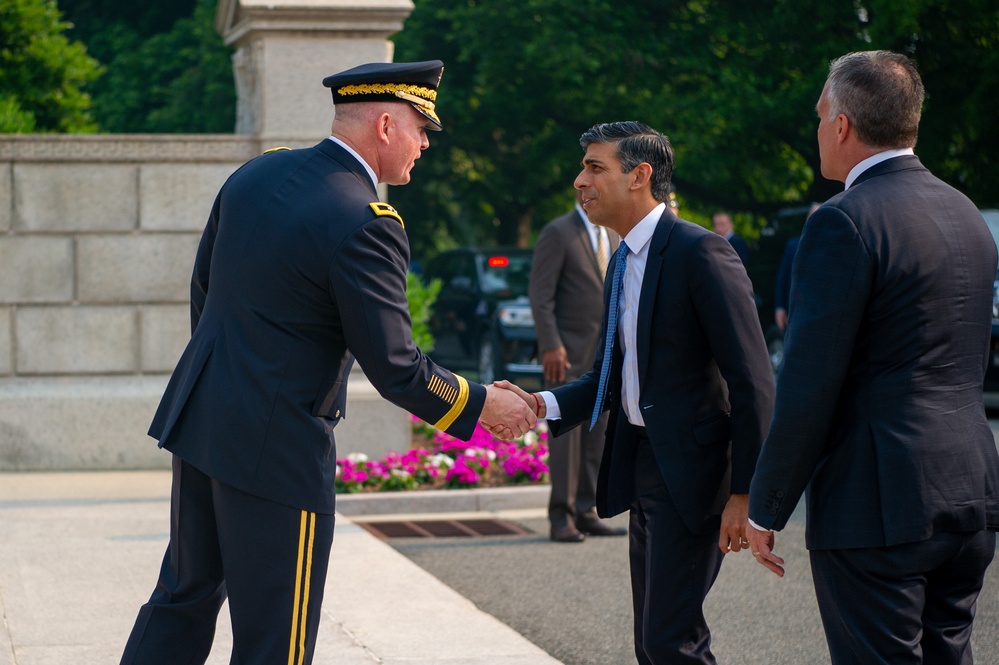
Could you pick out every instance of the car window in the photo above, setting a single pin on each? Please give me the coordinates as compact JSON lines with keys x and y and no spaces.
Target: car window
{"x":506,"y":274}
{"x":454,"y":269}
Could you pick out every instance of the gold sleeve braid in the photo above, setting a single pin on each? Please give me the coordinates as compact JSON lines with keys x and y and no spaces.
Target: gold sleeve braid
{"x":456,"y":397}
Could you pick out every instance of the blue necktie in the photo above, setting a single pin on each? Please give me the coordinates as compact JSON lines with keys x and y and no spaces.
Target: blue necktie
{"x":617,"y":284}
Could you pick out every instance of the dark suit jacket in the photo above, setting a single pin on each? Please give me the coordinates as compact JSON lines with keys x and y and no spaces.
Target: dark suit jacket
{"x":741,"y":248}
{"x":565,"y":291}
{"x":879,"y":409}
{"x":706,"y":388}
{"x":297,"y":274}
{"x":782,"y":291}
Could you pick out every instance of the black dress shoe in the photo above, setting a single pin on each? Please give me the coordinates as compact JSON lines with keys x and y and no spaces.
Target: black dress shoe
{"x":567,"y":533}
{"x":594,"y":526}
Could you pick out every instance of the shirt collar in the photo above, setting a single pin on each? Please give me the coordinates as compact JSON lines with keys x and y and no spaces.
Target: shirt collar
{"x":640,"y":235}
{"x":371,"y":171}
{"x":872,"y":160}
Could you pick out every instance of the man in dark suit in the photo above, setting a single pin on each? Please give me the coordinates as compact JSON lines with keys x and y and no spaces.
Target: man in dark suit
{"x":683,"y":371}
{"x":568,"y":274}
{"x":300,"y":270}
{"x":722,"y":223}
{"x":879,"y":405}
{"x":782,"y":290}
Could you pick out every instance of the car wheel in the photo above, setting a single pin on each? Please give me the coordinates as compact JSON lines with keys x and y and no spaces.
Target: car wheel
{"x":487,"y":363}
{"x":775,"y":349}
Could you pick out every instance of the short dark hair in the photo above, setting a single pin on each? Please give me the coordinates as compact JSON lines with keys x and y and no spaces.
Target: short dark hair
{"x":882,"y":95}
{"x":637,"y":143}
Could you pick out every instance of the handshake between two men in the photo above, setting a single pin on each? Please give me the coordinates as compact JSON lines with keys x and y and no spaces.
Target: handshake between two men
{"x":510,"y":412}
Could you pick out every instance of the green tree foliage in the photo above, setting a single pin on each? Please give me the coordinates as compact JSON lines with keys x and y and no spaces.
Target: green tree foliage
{"x":421,"y":297}
{"x":733,"y":84}
{"x":42,"y":72}
{"x":167,"y":69}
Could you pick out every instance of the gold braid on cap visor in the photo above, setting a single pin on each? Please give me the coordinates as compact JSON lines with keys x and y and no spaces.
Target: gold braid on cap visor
{"x":389,"y":88}
{"x":415,"y":94}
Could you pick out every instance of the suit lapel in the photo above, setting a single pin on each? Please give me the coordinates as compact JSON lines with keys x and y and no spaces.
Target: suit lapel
{"x":650,"y":286}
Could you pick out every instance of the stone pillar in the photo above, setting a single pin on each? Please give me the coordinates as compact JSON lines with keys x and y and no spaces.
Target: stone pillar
{"x":284,"y":49}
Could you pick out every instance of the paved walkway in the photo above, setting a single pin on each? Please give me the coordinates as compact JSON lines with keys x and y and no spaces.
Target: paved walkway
{"x":79,"y":553}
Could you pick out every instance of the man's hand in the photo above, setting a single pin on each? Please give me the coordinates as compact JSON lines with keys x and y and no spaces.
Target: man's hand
{"x":555,"y":362}
{"x":761,"y":544}
{"x":780,"y":318}
{"x":505,"y":414}
{"x":533,"y":401}
{"x":734,"y":520}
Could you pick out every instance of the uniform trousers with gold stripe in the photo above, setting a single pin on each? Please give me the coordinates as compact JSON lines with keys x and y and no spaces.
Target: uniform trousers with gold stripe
{"x":269,"y":559}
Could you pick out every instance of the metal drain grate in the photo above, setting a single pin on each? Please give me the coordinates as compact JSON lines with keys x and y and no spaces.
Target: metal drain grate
{"x":444,"y":528}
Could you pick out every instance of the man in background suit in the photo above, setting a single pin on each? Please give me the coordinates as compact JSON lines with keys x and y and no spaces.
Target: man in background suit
{"x":300,"y":271}
{"x":722,"y":223}
{"x":683,"y":371}
{"x":567,"y":278}
{"x":782,"y":290}
{"x":879,"y":405}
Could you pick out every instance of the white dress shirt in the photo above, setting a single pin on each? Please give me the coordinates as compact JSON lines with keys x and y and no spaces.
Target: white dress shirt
{"x":627,"y":331}
{"x":871,"y":161}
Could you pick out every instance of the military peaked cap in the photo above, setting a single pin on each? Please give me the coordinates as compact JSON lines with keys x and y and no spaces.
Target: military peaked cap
{"x":413,"y":82}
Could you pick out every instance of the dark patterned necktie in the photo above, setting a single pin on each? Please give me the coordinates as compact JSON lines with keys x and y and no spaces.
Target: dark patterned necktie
{"x":617,"y":284}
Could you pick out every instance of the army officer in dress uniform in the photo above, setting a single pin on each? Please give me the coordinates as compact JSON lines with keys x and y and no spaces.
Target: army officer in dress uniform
{"x":300,"y":270}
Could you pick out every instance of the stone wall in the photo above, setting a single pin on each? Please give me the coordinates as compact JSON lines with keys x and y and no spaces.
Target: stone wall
{"x":97,"y":241}
{"x":98,"y":236}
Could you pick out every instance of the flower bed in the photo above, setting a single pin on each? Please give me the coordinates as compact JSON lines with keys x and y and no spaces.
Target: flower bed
{"x":439,"y":461}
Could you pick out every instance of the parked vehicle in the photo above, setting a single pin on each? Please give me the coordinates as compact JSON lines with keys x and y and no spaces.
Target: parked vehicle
{"x":482,"y":319}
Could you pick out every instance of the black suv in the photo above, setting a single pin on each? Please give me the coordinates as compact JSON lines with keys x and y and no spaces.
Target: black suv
{"x":482,"y":319}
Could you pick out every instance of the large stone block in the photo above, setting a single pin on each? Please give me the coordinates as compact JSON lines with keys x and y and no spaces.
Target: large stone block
{"x":179,"y":197}
{"x":166,"y":330}
{"x":135,"y":268}
{"x":76,"y":340}
{"x":71,"y":423}
{"x":36,"y":269}
{"x":6,"y":197}
{"x":75,"y":197}
{"x":373,"y":425}
{"x":79,"y":423}
{"x":277,"y":77}
{"x":6,"y":348}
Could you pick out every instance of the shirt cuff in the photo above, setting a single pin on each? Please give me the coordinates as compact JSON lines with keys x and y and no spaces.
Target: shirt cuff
{"x":759,"y":528}
{"x":552,"y":412}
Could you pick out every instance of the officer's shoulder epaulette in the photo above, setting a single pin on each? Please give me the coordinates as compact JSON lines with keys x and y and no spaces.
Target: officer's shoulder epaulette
{"x":385,"y":210}
{"x":280,"y":147}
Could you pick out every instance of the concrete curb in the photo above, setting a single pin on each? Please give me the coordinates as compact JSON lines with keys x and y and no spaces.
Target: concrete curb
{"x":486,"y":499}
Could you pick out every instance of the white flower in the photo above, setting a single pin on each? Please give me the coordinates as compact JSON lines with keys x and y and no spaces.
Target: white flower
{"x":530,"y":438}
{"x":491,"y":454}
{"x":440,"y":460}
{"x":357,"y":458}
{"x":400,"y":473}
